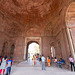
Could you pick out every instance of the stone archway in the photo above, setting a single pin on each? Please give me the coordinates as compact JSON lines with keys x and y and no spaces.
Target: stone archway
{"x":28,"y":47}
{"x":29,"y":40}
{"x":52,"y":49}
{"x":4,"y":49}
{"x":53,"y":54}
{"x":12,"y":50}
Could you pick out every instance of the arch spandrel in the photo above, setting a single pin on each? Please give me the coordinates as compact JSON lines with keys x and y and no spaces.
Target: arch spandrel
{"x":33,"y":32}
{"x":70,"y":15}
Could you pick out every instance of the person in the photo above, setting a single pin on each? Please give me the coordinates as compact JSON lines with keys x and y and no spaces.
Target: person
{"x":35,"y":56}
{"x":28,"y":57}
{"x":3,"y":65}
{"x":71,"y":62}
{"x":62,"y":61}
{"x":74,"y":62}
{"x":55,"y":60}
{"x":33,"y":60}
{"x":39,"y":58}
{"x":43,"y":62}
{"x":0,"y":60}
{"x":59,"y":64}
{"x":74,"y":65}
{"x":48,"y":61}
{"x":9,"y":64}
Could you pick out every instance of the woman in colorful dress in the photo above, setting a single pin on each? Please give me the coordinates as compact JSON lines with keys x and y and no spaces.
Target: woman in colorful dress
{"x":48,"y":61}
{"x":33,"y":60}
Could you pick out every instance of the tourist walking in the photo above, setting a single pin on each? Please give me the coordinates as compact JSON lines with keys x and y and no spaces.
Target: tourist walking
{"x":39,"y":57}
{"x":3,"y":66}
{"x":71,"y":62}
{"x":43,"y":62}
{"x":0,"y":60}
{"x":55,"y":60}
{"x":9,"y":64}
{"x":74,"y":62}
{"x":74,"y":65}
{"x":33,"y":60}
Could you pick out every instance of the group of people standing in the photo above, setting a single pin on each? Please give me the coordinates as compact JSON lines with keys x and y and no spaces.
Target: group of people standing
{"x":5,"y":65}
{"x":57,"y":62}
{"x":35,"y":58}
{"x":60,"y":62}
{"x":43,"y":60}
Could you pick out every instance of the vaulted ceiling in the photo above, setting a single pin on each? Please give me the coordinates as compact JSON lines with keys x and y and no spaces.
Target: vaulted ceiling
{"x":47,"y":15}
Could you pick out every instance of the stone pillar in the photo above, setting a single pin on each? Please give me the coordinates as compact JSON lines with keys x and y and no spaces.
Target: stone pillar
{"x":70,"y":37}
{"x":66,"y":47}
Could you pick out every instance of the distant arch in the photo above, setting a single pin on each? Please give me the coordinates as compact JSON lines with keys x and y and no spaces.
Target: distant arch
{"x":28,"y":46}
{"x":4,"y":48}
{"x":12,"y":50}
{"x":52,"y":50}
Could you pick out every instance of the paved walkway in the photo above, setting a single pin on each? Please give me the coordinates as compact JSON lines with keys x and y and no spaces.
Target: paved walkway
{"x":25,"y":68}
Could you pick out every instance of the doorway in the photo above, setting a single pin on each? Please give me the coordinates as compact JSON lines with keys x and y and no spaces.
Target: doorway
{"x":53,"y":54}
{"x":33,"y":48}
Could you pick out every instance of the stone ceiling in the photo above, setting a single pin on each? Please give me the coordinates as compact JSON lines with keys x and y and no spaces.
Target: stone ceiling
{"x":32,"y":13}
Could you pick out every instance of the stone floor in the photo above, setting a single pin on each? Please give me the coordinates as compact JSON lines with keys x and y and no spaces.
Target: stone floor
{"x":26,"y":68}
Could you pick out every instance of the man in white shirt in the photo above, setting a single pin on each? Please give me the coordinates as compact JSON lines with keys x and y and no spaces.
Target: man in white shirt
{"x":71,"y":62}
{"x":43,"y":62}
{"x":74,"y":62}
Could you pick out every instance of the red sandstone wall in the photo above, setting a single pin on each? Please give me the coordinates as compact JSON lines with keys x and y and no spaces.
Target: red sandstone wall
{"x":46,"y":41}
{"x":5,"y":38}
{"x":64,"y":50}
{"x":19,"y":48}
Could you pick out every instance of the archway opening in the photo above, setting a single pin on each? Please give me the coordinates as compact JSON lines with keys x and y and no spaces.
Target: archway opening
{"x":12,"y":50}
{"x":4,"y":49}
{"x":53,"y":54}
{"x":33,"y":48}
